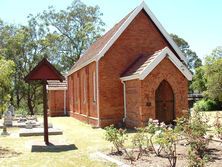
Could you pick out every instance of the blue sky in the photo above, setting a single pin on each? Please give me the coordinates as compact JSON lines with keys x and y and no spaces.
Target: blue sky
{"x":197,"y":21}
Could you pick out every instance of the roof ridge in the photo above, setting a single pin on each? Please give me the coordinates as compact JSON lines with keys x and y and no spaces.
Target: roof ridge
{"x":117,"y":25}
{"x":98,"y":49}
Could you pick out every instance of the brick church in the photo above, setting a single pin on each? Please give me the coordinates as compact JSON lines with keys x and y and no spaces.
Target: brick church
{"x":132,"y":73}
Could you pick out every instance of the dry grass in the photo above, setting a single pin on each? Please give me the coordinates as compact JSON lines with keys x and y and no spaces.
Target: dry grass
{"x":76,"y":144}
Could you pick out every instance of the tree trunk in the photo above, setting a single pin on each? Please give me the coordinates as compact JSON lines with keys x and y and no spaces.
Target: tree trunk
{"x":31,"y":109}
{"x":17,"y":99}
{"x":29,"y":100}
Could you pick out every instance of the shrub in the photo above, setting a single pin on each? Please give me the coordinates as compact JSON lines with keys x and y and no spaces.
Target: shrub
{"x":21,"y":112}
{"x":206,"y":105}
{"x":218,"y":126}
{"x":168,"y":140}
{"x":115,"y":136}
{"x":165,"y":137}
{"x":154,"y":131}
{"x":195,"y":130}
{"x":139,"y":141}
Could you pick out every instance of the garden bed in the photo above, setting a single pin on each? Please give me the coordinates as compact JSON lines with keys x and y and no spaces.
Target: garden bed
{"x":191,"y":142}
{"x":150,"y":159}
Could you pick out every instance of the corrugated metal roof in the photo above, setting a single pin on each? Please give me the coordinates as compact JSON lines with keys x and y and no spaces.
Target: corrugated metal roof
{"x":57,"y":85}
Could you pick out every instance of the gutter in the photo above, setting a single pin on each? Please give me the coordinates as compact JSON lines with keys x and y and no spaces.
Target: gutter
{"x":97,"y":92}
{"x":124,"y":100}
{"x":65,"y":102}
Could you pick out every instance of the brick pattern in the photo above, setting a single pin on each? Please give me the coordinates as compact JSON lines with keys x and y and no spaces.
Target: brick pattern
{"x":140,"y":37}
{"x":133,"y":103}
{"x":56,"y":102}
{"x":80,"y":91}
{"x":166,"y":70}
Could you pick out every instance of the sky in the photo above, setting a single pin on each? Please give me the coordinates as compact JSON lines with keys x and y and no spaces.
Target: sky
{"x":199,"y":22}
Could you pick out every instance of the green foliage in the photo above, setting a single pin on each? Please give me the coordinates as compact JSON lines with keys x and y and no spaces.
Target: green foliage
{"x":6,"y":71}
{"x":218,"y":126}
{"x":163,"y":136}
{"x":199,"y":80}
{"x":139,"y":140}
{"x":21,"y":111}
{"x":208,"y":78}
{"x":115,"y":136}
{"x":61,"y":36}
{"x":195,"y":130}
{"x":167,"y":139}
{"x":77,"y":28}
{"x":213,"y":71}
{"x":155,"y":132}
{"x":206,"y":105}
{"x":193,"y":60}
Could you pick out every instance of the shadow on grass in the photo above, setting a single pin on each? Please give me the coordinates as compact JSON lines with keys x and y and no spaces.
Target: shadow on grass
{"x":214,"y":154}
{"x":7,"y":153}
{"x":53,"y":148}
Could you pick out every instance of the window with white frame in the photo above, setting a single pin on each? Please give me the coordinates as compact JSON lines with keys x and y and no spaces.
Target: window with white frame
{"x":94,"y":86}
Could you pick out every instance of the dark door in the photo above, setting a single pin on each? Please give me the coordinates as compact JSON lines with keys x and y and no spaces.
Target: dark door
{"x":165,"y":103}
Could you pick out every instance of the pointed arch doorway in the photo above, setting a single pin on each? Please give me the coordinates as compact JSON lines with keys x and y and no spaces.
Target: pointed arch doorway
{"x":165,"y":103}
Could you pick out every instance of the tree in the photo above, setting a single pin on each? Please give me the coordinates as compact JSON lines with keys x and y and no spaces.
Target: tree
{"x":6,"y":71}
{"x":61,"y":36}
{"x":193,"y":60}
{"x":199,"y":80}
{"x":78,"y":27}
{"x":213,"y":74}
{"x":208,"y":79}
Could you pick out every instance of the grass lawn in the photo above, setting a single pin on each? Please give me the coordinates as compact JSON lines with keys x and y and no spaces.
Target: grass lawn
{"x":79,"y":137}
{"x":77,"y":134}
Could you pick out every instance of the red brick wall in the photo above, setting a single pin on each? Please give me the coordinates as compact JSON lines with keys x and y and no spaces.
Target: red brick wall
{"x":166,"y":70}
{"x":133,"y":103}
{"x":56,"y":102}
{"x":82,"y":104}
{"x":141,"y":36}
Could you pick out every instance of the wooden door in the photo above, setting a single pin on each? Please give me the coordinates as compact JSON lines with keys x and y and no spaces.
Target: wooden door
{"x":165,"y":103}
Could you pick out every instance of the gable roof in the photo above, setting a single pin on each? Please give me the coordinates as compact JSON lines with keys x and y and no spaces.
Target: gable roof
{"x":97,"y":46}
{"x":44,"y":71}
{"x":146,"y":63}
{"x":102,"y":45}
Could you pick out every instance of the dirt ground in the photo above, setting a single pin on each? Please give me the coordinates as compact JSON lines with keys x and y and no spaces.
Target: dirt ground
{"x":151,"y":160}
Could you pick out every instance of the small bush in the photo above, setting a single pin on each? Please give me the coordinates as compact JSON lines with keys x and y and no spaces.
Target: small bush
{"x":115,"y":136}
{"x":218,"y":125}
{"x":195,"y":130}
{"x":206,"y":105}
{"x":138,"y":140}
{"x":21,"y":111}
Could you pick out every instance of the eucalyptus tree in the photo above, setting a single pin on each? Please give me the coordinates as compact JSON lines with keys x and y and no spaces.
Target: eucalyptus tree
{"x":6,"y":71}
{"x":77,"y":27}
{"x":193,"y":60}
{"x":213,"y":74}
{"x":61,"y":36}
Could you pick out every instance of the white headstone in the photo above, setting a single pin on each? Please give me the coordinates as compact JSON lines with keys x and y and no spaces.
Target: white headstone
{"x":8,"y":118}
{"x":11,"y":108}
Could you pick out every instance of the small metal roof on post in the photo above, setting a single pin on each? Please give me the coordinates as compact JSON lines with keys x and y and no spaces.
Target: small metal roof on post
{"x":42,"y":72}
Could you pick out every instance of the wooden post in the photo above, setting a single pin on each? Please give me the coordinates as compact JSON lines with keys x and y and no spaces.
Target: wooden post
{"x":42,"y":72}
{"x":46,"y":137}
